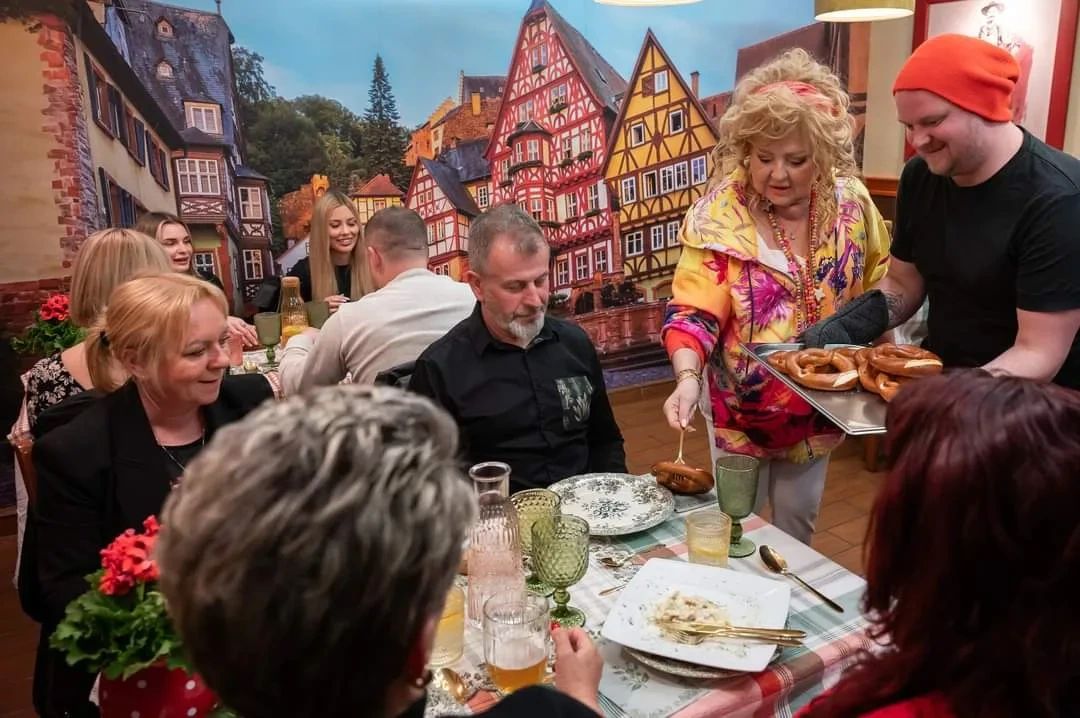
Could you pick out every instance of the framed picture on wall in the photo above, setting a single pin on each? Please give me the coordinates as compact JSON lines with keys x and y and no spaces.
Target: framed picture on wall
{"x":1040,"y":34}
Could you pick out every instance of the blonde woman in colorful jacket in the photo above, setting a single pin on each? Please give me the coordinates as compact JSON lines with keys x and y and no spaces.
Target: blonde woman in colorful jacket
{"x":786,"y":235}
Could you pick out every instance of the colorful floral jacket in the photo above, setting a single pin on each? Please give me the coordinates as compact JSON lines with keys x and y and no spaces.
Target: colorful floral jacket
{"x":725,"y":292}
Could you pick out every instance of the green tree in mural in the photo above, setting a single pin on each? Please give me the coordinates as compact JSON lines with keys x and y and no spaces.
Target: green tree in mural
{"x":285,"y":146}
{"x":332,"y":117}
{"x":251,"y":85}
{"x":340,"y":166}
{"x":384,"y":139}
{"x":341,"y":134}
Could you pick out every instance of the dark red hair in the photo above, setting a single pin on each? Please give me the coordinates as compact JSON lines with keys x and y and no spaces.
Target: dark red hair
{"x":974,"y":553}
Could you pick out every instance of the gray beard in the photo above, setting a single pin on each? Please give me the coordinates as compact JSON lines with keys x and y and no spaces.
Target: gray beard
{"x":526,"y":331}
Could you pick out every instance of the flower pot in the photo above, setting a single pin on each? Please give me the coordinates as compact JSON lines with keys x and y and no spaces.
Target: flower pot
{"x":155,"y":692}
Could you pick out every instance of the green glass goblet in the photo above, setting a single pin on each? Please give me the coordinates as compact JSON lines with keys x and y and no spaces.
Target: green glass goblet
{"x":736,"y":491}
{"x":561,"y":556}
{"x":531,"y":505}
{"x":268,"y":328}
{"x":317,"y":313}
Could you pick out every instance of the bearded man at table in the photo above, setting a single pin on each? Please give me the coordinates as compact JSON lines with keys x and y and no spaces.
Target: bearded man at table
{"x":525,"y":388}
{"x":986,"y":225}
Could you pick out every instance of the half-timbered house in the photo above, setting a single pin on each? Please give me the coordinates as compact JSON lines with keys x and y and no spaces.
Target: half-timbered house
{"x":446,"y":192}
{"x":549,"y":146}
{"x":184,"y":57}
{"x":657,"y":165}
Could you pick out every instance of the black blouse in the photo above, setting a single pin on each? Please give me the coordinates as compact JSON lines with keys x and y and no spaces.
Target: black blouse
{"x":302,"y":271}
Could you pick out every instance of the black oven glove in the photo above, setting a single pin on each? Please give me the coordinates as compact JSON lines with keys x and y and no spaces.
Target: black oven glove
{"x":860,"y":321}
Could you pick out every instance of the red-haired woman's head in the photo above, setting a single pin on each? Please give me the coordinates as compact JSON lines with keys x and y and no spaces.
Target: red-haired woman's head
{"x":974,"y":551}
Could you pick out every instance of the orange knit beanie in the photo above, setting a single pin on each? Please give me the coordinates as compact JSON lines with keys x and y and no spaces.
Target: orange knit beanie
{"x":968,"y":72}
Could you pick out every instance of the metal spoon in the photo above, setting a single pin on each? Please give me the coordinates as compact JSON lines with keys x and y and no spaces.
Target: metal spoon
{"x":619,"y":562}
{"x":455,"y":685}
{"x":776,"y":563}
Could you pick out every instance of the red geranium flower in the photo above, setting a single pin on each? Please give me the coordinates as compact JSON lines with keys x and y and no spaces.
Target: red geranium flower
{"x":56,"y":307}
{"x":129,"y":560}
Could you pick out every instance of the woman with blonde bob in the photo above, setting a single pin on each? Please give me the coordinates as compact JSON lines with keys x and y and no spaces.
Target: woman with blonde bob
{"x":786,"y":235}
{"x":334,"y":270}
{"x":175,"y":237}
{"x":106,"y":259}
{"x":114,"y":463}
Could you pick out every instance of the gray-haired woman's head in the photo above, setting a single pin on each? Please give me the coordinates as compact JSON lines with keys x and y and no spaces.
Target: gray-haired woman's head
{"x":310,"y":544}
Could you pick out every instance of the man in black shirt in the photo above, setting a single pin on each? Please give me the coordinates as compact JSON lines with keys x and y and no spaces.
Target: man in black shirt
{"x":987,"y":225}
{"x":524,"y":388}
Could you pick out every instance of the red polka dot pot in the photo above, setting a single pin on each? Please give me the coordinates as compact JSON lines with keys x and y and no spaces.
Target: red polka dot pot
{"x":155,"y":692}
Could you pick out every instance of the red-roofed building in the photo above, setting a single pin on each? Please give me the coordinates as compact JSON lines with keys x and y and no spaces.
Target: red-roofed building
{"x":377,"y":193}
{"x":548,"y":150}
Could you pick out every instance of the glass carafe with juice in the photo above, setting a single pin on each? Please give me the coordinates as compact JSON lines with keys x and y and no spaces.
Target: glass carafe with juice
{"x":293,"y":314}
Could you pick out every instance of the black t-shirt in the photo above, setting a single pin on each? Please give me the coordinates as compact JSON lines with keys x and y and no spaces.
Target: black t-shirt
{"x":302,"y":271}
{"x":1012,"y":242}
{"x":542,"y":410}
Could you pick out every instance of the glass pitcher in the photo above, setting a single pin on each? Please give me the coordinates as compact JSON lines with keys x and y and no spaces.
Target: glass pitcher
{"x":495,"y":542}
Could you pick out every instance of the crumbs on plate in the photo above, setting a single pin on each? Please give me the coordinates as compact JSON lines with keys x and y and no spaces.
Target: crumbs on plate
{"x":677,"y":606}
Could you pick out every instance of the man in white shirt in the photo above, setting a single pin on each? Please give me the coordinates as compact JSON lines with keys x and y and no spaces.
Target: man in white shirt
{"x":411,"y":308}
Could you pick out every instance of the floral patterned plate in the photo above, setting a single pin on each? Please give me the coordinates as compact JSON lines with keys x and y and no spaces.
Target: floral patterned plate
{"x":684,"y":669}
{"x":615,"y":504}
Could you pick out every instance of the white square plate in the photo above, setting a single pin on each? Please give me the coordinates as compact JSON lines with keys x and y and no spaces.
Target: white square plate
{"x":749,"y":601}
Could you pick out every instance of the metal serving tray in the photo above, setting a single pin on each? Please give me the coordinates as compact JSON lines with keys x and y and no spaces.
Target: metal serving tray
{"x":856,"y":412}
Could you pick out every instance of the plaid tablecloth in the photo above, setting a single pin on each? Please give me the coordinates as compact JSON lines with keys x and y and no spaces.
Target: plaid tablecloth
{"x":628,"y":688}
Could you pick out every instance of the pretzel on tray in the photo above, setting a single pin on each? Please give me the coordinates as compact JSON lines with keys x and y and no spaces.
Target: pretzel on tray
{"x":905,"y":360}
{"x":822,"y":369}
{"x":881,"y":370}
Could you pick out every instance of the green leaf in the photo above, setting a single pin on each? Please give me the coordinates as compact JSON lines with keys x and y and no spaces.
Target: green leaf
{"x":119,"y":635}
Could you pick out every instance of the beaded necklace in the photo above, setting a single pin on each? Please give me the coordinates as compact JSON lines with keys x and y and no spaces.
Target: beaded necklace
{"x":807,"y":295}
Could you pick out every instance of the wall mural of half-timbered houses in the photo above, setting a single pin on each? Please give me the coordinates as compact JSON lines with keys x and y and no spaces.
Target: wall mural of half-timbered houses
{"x":548,"y":149}
{"x":658,"y":164}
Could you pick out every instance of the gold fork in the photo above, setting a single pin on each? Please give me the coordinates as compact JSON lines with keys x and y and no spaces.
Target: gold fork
{"x":694,"y":639}
{"x":709,"y":627}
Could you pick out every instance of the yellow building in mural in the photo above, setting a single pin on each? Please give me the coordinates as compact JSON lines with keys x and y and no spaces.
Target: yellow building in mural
{"x":377,"y":193}
{"x":658,"y":164}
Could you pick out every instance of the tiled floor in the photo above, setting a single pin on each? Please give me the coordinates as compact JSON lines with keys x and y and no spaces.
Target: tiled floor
{"x":849,"y":494}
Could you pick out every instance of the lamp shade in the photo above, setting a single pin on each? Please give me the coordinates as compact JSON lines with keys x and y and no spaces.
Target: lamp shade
{"x":646,"y":3}
{"x":861,"y":10}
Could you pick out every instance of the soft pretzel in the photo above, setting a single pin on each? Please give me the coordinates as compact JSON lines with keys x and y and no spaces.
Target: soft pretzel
{"x":778,"y":360}
{"x":868,"y":375}
{"x":822,"y":369}
{"x":848,"y":352}
{"x":682,"y":478}
{"x":887,"y":386}
{"x":905,"y":360}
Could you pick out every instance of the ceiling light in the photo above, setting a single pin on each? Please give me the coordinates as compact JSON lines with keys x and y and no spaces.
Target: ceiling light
{"x":861,"y":10}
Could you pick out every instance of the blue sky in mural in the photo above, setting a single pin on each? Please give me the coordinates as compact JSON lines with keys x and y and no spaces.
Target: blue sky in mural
{"x":327,"y":47}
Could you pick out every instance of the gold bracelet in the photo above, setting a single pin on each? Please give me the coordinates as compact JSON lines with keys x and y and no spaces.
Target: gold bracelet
{"x":683,"y":373}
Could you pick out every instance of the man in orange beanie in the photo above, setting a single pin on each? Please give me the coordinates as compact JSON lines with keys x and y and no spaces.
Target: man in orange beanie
{"x":987,"y":225}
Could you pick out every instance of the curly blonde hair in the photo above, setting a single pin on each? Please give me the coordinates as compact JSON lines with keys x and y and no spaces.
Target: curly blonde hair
{"x":766,"y":107}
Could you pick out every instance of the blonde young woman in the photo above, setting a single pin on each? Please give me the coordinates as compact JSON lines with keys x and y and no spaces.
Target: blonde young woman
{"x":106,"y":260}
{"x":786,"y":235}
{"x":114,"y":460}
{"x":334,"y":270}
{"x":175,"y":237}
